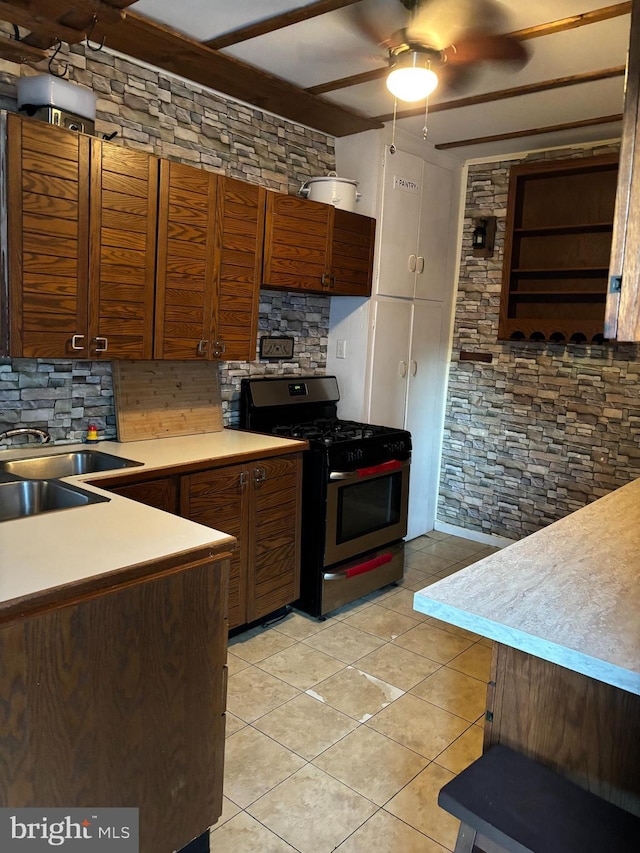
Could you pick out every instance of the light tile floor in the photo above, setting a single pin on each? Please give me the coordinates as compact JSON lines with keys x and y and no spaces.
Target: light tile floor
{"x":341,"y":733}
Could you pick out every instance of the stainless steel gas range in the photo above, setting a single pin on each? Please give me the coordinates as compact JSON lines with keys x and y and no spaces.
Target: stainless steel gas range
{"x":355,"y":488}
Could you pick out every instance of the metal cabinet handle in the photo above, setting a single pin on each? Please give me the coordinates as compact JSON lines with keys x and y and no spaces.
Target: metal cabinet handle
{"x":328,"y":279}
{"x":74,"y":342}
{"x":244,"y":479}
{"x":420,"y":264}
{"x":414,"y":367}
{"x":412,"y":263}
{"x":259,"y":475}
{"x":105,"y":341}
{"x":203,"y":346}
{"x":219,"y":348}
{"x":403,"y":369}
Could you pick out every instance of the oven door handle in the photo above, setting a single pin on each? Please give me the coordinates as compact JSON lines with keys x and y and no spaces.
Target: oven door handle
{"x":360,"y":569}
{"x":373,"y":471}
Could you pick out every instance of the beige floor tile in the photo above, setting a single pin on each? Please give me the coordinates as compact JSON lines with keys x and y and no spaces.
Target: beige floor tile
{"x":235,"y":664}
{"x":439,"y":535}
{"x":384,"y":833}
{"x":254,"y":764}
{"x":452,"y":551}
{"x":433,"y":643}
{"x":312,"y":811}
{"x":229,"y":810}
{"x":243,"y":834}
{"x":463,"y":751}
{"x":257,"y":647}
{"x":253,"y":693}
{"x":416,"y":544}
{"x":455,"y":692}
{"x":453,"y":629}
{"x":425,"y":561}
{"x":485,"y":641}
{"x":382,"y":622}
{"x":417,"y":805}
{"x":457,"y":566}
{"x":397,"y":666}
{"x":349,"y":609}
{"x":306,"y":726}
{"x":371,"y":764}
{"x":379,"y":595}
{"x":299,"y":626}
{"x":356,"y":693}
{"x":470,"y":544}
{"x":422,"y":583}
{"x":402,"y":602}
{"x":301,"y":666}
{"x":343,"y":642}
{"x":233,"y":724}
{"x":418,"y":725}
{"x":475,"y":662}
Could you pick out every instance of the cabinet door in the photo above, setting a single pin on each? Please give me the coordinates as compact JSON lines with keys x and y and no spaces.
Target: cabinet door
{"x":161,"y":493}
{"x":400,"y":223}
{"x":124,"y":196}
{"x":390,"y":362}
{"x":435,"y":233}
{"x":274,"y":565}
{"x":186,"y":285}
{"x":297,"y":244}
{"x":48,"y":201}
{"x":241,"y":221}
{"x":219,"y":498}
{"x":352,"y":253}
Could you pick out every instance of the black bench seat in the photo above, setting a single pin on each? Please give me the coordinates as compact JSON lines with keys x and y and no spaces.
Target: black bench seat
{"x":508,"y":802}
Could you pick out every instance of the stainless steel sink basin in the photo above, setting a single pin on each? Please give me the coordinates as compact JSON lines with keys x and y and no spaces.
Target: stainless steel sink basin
{"x":23,"y":498}
{"x":59,"y":465}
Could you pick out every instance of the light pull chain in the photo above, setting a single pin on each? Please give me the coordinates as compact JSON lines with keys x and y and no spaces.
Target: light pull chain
{"x":392,"y":147}
{"x":425,"y":129}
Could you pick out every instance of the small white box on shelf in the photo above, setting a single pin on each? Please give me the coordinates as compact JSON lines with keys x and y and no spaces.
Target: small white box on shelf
{"x":47,"y":90}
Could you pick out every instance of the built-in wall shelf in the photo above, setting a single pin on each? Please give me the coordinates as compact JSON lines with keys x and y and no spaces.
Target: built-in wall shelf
{"x":557,"y":246}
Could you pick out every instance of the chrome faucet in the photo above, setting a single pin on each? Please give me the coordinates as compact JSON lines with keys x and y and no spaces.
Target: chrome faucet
{"x":42,"y":434}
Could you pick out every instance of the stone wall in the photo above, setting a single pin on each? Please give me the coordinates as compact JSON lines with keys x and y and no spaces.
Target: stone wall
{"x":543,"y":429}
{"x":179,"y":120}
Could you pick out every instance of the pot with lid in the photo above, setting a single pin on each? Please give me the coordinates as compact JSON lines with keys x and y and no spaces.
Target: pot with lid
{"x":340,"y":192}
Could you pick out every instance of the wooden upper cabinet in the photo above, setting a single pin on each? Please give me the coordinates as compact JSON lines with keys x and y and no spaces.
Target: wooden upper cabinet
{"x":82,"y":221}
{"x":124,"y":194}
{"x":317,"y":248}
{"x":622,"y":320}
{"x":48,"y":195}
{"x":241,"y":211}
{"x":186,"y":265}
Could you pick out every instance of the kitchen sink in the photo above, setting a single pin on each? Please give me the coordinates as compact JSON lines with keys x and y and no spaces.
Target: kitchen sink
{"x":65,"y":464}
{"x":22,"y":498}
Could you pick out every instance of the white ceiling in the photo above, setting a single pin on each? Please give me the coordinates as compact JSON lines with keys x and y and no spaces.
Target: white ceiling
{"x":328,"y":47}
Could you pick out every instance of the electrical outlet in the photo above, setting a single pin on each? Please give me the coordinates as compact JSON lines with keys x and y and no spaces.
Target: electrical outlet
{"x":341,"y":349}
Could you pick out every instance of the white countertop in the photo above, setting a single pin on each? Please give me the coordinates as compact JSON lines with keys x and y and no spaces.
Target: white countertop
{"x":51,"y":550}
{"x":569,"y":594}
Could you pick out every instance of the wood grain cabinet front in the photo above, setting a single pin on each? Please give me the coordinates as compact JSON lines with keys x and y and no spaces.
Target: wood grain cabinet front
{"x":209,"y":264}
{"x":81,"y":235}
{"x":259,"y":504}
{"x":315,"y":248}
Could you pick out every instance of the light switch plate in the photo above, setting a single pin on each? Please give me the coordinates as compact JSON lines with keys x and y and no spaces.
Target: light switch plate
{"x":276,"y":348}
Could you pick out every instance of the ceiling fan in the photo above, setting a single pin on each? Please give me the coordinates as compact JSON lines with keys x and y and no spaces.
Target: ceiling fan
{"x":429,"y":40}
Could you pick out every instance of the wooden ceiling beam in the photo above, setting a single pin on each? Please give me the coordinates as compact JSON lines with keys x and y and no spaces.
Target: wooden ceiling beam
{"x":278,"y":22}
{"x":514,"y":92}
{"x":18,"y":51}
{"x":559,"y":26}
{"x":534,"y":131}
{"x":165,"y":48}
{"x":46,"y":29}
{"x":50,"y":21}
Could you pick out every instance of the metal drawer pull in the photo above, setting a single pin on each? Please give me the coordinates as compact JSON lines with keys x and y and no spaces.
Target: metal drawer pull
{"x":259,"y":475}
{"x":97,"y":340}
{"x":202,"y":347}
{"x":360,"y":569}
{"x":219,"y":348}
{"x":243,"y":479}
{"x":74,"y":342}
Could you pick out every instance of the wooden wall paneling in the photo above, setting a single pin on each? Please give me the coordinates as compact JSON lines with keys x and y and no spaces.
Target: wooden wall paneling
{"x":582,"y":728}
{"x":241,"y":213}
{"x":274,"y":546}
{"x":124,"y":194}
{"x":186,"y":266}
{"x":48,"y":190}
{"x":121,"y":702}
{"x":352,"y":253}
{"x":219,"y":498}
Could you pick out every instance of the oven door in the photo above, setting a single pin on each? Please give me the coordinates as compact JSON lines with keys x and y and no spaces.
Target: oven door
{"x":366,"y":509}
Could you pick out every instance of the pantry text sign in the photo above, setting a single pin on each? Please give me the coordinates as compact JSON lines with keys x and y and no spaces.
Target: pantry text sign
{"x":405,"y":184}
{"x":69,"y":830}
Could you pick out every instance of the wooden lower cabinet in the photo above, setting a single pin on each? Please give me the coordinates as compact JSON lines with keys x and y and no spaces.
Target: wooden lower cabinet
{"x":118,"y":699}
{"x":161,"y":493}
{"x":258,"y":503}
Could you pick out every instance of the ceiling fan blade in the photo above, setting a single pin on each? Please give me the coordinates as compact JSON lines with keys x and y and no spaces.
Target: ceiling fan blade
{"x":484,"y":47}
{"x":439,"y":23}
{"x":377,"y":20}
{"x":454,"y":79}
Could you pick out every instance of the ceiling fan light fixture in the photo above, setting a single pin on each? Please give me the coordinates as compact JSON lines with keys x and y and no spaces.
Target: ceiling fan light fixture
{"x":410,"y":78}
